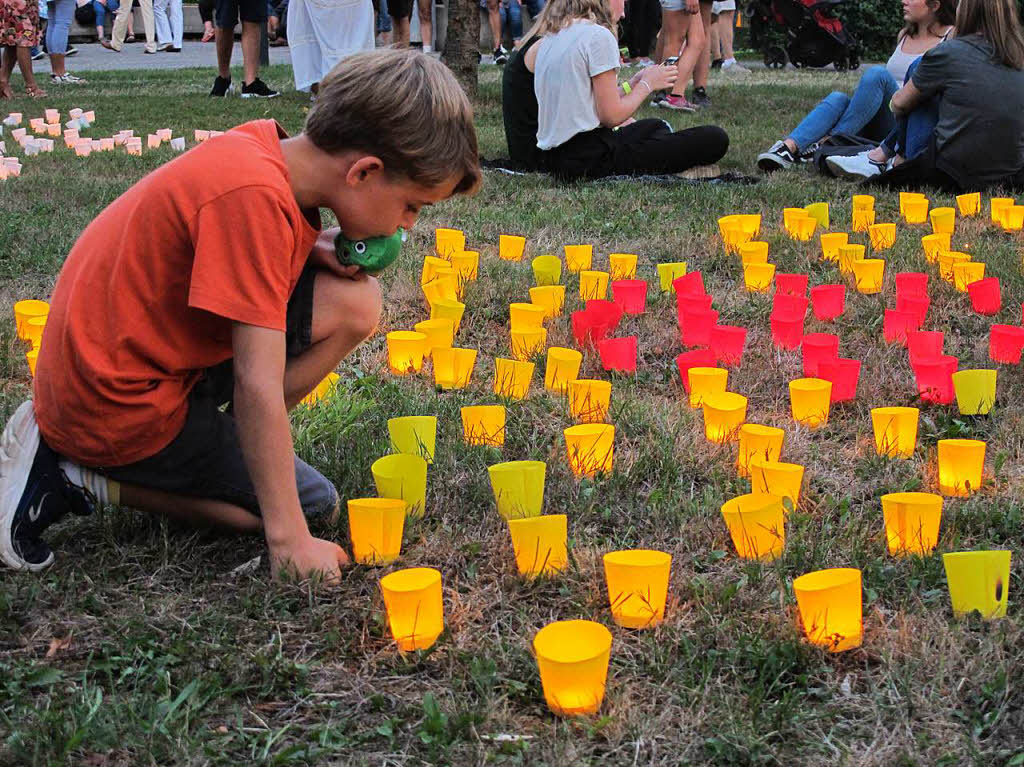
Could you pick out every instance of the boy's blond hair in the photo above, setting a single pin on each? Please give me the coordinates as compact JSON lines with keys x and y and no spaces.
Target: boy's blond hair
{"x":403,"y":107}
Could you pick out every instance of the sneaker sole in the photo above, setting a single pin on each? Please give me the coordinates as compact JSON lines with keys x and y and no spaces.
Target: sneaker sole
{"x":666,"y":105}
{"x":18,"y":447}
{"x":258,"y":96}
{"x":847,"y":174}
{"x":770,"y":163}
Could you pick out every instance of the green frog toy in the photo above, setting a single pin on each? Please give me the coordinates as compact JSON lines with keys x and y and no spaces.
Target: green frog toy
{"x":371,"y":255}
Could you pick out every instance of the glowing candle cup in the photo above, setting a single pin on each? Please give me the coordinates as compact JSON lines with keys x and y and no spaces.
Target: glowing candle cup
{"x":414,"y":606}
{"x":637,"y":583}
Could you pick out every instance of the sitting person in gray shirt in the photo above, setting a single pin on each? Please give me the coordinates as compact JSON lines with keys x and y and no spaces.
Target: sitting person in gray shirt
{"x":960,"y":114}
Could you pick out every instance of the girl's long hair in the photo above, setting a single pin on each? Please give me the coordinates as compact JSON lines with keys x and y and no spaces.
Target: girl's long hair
{"x":999,"y":23}
{"x":945,"y":16}
{"x":558,"y":14}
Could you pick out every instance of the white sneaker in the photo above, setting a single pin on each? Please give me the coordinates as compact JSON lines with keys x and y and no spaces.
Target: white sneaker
{"x":734,"y":68}
{"x":856,"y":167}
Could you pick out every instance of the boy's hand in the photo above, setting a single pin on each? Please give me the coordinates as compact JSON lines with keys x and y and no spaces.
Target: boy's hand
{"x":308,"y":556}
{"x":324,"y":256}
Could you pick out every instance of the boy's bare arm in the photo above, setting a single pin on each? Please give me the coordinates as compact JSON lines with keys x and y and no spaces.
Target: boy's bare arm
{"x":265,"y":436}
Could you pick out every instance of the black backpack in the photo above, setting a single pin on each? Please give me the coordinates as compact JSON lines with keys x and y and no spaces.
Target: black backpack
{"x":85,"y":15}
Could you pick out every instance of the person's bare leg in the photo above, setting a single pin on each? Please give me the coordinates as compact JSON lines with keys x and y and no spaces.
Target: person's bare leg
{"x":400,"y":31}
{"x":25,"y":65}
{"x":426,"y":24}
{"x":703,"y":63}
{"x":494,"y":19}
{"x":250,"y":50}
{"x":6,"y":67}
{"x":693,"y":51}
{"x":195,"y":512}
{"x":225,"y":44}
{"x":726,"y":22}
{"x":715,"y":39}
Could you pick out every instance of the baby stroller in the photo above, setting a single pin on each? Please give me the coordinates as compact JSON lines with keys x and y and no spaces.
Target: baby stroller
{"x":814,"y":37}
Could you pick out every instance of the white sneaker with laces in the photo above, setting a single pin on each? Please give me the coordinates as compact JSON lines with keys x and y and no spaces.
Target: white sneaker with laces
{"x":733,"y":67}
{"x":856,"y":167}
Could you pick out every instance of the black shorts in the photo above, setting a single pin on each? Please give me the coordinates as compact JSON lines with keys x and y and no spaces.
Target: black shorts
{"x":400,"y":9}
{"x":205,"y":460}
{"x":228,"y":12}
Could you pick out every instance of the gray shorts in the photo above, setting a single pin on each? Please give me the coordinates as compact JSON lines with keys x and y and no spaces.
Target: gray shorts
{"x":722,"y":5}
{"x":673,"y":5}
{"x":205,"y":460}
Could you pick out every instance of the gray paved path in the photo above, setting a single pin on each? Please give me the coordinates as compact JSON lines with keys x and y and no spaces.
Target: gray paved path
{"x":93,"y":57}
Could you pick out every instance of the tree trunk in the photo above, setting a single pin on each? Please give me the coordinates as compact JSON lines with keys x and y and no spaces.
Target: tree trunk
{"x":462,"y":47}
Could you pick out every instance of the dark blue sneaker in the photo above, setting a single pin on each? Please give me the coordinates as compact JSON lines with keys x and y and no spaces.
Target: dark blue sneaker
{"x":33,"y":493}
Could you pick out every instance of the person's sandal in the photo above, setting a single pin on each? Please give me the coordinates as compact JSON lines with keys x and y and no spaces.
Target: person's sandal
{"x":208,"y":35}
{"x":36,"y":92}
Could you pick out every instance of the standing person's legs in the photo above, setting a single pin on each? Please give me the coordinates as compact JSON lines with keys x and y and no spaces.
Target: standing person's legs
{"x":494,"y":20}
{"x":650,"y":146}
{"x":401,"y":14}
{"x":101,"y":10}
{"x":250,"y":51}
{"x":515,"y":20}
{"x":163,"y":24}
{"x":7,"y":58}
{"x":177,"y":19}
{"x":703,"y":64}
{"x":694,"y":34}
{"x":424,"y":8}
{"x":120,"y":29}
{"x":715,"y":39}
{"x":206,"y":14}
{"x":225,"y":18}
{"x":726,"y":33}
{"x":148,"y":24}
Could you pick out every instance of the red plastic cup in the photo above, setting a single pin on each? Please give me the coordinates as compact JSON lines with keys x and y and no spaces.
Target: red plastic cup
{"x":687,"y":302}
{"x":787,"y":330}
{"x":828,"y":301}
{"x":844,"y":374}
{"x":922,"y":344}
{"x":618,"y":354}
{"x":911,"y":284}
{"x":595,"y":322}
{"x":697,"y":327}
{"x":727,"y":342}
{"x":916,"y":305}
{"x":631,"y":295}
{"x":698,"y":358}
{"x":787,"y":304}
{"x":691,"y":283}
{"x":816,"y":348}
{"x":935,"y":378}
{"x":897,"y":325}
{"x":986,"y":297}
{"x":583,"y":329}
{"x":1005,"y":343}
{"x":791,"y":284}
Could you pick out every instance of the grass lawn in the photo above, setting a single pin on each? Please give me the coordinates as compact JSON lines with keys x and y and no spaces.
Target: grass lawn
{"x":144,"y":645}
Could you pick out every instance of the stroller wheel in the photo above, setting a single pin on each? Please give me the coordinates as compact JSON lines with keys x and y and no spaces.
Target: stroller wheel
{"x":841,"y":65}
{"x":775,"y":57}
{"x":854,"y":61}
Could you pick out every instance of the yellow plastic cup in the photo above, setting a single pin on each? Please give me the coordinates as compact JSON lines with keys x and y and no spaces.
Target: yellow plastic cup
{"x":975,"y":391}
{"x":415,"y":607}
{"x":831,"y":607}
{"x":526,"y":344}
{"x":512,"y":378}
{"x":916,"y":212}
{"x":414,"y":435}
{"x":622,"y":266}
{"x":961,"y":463}
{"x":830,"y":244}
{"x":444,"y":286}
{"x":911,"y":522}
{"x":848,"y":254}
{"x":803,"y":228}
{"x":32,"y":357}
{"x":448,"y":310}
{"x":404,"y":477}
{"x":978,"y":580}
{"x":704,"y":382}
{"x":724,"y":414}
{"x":791,"y":217}
{"x":484,"y":425}
{"x":728,"y":224}
{"x":405,"y":351}
{"x":668,"y":272}
{"x":591,"y":448}
{"x":511,"y":247}
{"x":969,"y":204}
{"x":732,"y":233}
{"x":757,"y":526}
{"x":776,"y":478}
{"x":324,"y":390}
{"x":863,"y":220}
{"x":1013,"y":218}
{"x":754,"y":252}
{"x":518,"y":488}
{"x":453,"y":367}
{"x":578,"y":257}
{"x":935,"y":245}
{"x":34,"y":327}
{"x":948,"y":260}
{"x":593,"y":285}
{"x":466,"y":265}
{"x":895,"y":430}
{"x":966,"y":272}
{"x":883,"y":236}
{"x":758,"y":442}
{"x":375,"y":526}
{"x":431,"y":266}
{"x":809,"y":400}
{"x":909,"y":196}
{"x":998,"y":206}
{"x":440,"y":334}
{"x":589,"y":400}
{"x":869,"y":274}
{"x":547,"y":270}
{"x":750,"y":223}
{"x":863,"y":202}
{"x":448,"y":242}
{"x":572,"y":658}
{"x":637,"y":583}
{"x":563,"y":366}
{"x":551,"y":298}
{"x":25,"y":310}
{"x":943,"y":220}
{"x":524,"y":316}
{"x":819,"y":212}
{"x":539,"y":544}
{"x":758,"y":278}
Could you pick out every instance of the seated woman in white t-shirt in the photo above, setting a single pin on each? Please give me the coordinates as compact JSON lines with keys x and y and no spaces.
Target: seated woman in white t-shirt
{"x":579,"y":102}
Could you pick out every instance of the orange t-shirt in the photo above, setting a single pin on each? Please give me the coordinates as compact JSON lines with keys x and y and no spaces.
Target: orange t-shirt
{"x":147,"y":297}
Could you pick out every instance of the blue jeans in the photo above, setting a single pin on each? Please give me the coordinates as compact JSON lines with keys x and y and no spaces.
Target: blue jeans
{"x":512,"y":15}
{"x":865,"y":113}
{"x":914,"y":131}
{"x":383,"y":22}
{"x":59,"y":14}
{"x":102,"y":10}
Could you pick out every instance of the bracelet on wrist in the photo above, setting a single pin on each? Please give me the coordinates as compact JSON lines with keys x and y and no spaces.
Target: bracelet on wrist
{"x":648,"y":87}
{"x":626,"y":88}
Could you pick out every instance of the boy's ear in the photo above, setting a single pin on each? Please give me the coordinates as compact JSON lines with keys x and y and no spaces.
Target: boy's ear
{"x":363,"y":169}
